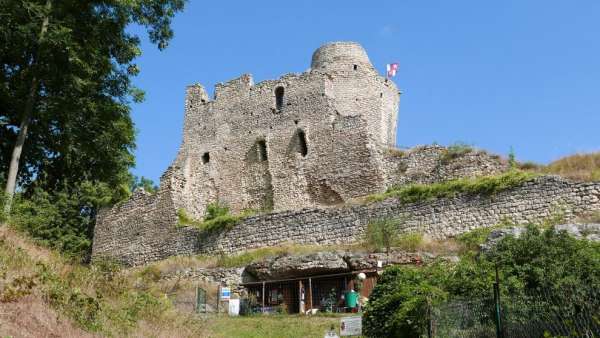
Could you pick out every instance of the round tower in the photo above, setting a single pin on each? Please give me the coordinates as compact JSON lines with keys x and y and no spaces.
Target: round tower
{"x":341,"y":56}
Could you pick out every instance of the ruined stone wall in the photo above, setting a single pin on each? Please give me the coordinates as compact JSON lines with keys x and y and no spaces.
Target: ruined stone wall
{"x":434,"y":163}
{"x":533,"y":201}
{"x":143,"y":229}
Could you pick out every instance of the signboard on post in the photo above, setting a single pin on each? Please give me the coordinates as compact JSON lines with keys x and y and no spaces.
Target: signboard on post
{"x":225,"y":293}
{"x":351,"y":326}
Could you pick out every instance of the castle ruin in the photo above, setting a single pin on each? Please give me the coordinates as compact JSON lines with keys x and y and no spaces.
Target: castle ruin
{"x":300,"y":148}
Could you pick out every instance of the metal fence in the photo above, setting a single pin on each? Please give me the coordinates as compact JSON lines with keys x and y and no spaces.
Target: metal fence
{"x":565,"y":312}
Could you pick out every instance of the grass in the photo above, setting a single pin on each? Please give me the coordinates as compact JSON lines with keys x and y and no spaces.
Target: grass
{"x":579,"y":167}
{"x":275,"y":326}
{"x":487,"y":185}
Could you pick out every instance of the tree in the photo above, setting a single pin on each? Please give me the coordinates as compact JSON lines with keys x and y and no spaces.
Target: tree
{"x":144,"y":183}
{"x":65,"y":89}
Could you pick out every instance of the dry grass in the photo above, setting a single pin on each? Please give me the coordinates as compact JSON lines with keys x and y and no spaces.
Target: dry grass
{"x":32,"y":317}
{"x":579,"y":167}
{"x":592,"y":217}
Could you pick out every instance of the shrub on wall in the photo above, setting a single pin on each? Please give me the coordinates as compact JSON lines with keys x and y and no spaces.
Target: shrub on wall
{"x":217,"y":218}
{"x":382,"y":233}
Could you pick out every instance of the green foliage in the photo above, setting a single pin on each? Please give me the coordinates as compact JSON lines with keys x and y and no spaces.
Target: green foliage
{"x":3,"y":215}
{"x":398,"y":303}
{"x":512,"y":158}
{"x":382,"y":233}
{"x":79,"y":129}
{"x":217,"y":218}
{"x":145,"y":183}
{"x":215,"y":210}
{"x":64,"y":219}
{"x":540,"y":259}
{"x":487,"y":186}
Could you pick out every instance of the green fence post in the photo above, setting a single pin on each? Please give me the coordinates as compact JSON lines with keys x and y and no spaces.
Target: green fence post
{"x":497,"y":304}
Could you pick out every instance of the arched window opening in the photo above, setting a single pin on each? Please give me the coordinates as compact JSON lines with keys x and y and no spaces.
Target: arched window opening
{"x":302,"y":146}
{"x":205,"y":158}
{"x":355,"y":67}
{"x":262,"y":150}
{"x":279,"y":98}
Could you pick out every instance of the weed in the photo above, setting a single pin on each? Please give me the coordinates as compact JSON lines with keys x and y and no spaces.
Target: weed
{"x":382,"y":233}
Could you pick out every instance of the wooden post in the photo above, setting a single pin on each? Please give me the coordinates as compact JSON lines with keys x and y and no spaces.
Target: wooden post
{"x":263,"y":298}
{"x":310,"y":293}
{"x":300,"y":300}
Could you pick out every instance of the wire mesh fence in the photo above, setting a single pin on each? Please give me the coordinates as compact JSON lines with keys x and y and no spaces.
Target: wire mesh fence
{"x":565,"y":312}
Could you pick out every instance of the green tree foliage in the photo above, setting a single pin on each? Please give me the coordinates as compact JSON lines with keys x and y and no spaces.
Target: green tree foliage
{"x":145,"y":183}
{"x":538,"y":260}
{"x":398,"y":303}
{"x":63,"y":219}
{"x":66,"y":94}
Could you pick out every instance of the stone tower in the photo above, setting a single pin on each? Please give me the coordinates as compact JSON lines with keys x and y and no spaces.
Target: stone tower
{"x":302,"y":140}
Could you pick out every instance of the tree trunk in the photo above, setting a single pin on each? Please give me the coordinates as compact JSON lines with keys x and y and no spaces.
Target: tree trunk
{"x":13,"y":170}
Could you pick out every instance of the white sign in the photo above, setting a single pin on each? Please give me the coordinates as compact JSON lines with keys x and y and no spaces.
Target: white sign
{"x":234,"y":307}
{"x":225,"y":293}
{"x":351,"y":326}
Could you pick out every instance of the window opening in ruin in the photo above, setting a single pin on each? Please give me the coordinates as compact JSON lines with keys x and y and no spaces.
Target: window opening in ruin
{"x":355,"y":67}
{"x":205,"y":158}
{"x":380,"y":94}
{"x":302,"y":146}
{"x":262,"y":150}
{"x":279,"y":98}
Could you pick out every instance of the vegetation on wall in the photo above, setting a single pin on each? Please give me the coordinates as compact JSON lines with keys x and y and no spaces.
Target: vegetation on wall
{"x":217,"y":218}
{"x":537,"y":260}
{"x":486,"y":185}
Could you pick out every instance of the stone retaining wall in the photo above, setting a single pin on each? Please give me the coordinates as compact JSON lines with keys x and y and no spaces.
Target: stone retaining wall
{"x":534,"y":200}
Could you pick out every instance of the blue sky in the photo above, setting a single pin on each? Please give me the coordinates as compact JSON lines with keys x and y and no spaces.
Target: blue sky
{"x":502,"y":74}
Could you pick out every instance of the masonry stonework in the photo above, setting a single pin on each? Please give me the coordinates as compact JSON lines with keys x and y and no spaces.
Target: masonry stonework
{"x":302,"y":147}
{"x":533,"y":201}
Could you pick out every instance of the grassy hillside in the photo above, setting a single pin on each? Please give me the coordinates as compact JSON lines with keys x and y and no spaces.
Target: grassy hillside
{"x":43,"y":294}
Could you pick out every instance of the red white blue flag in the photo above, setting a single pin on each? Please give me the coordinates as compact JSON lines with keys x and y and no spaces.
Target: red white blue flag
{"x":391,"y":68}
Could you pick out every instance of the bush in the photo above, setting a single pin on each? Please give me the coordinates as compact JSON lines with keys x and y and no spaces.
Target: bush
{"x":537,"y":260}
{"x":217,"y":218}
{"x":398,"y":303}
{"x":382,"y":233}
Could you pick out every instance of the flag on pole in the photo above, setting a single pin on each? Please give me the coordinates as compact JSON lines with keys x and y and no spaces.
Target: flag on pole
{"x":391,"y":68}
